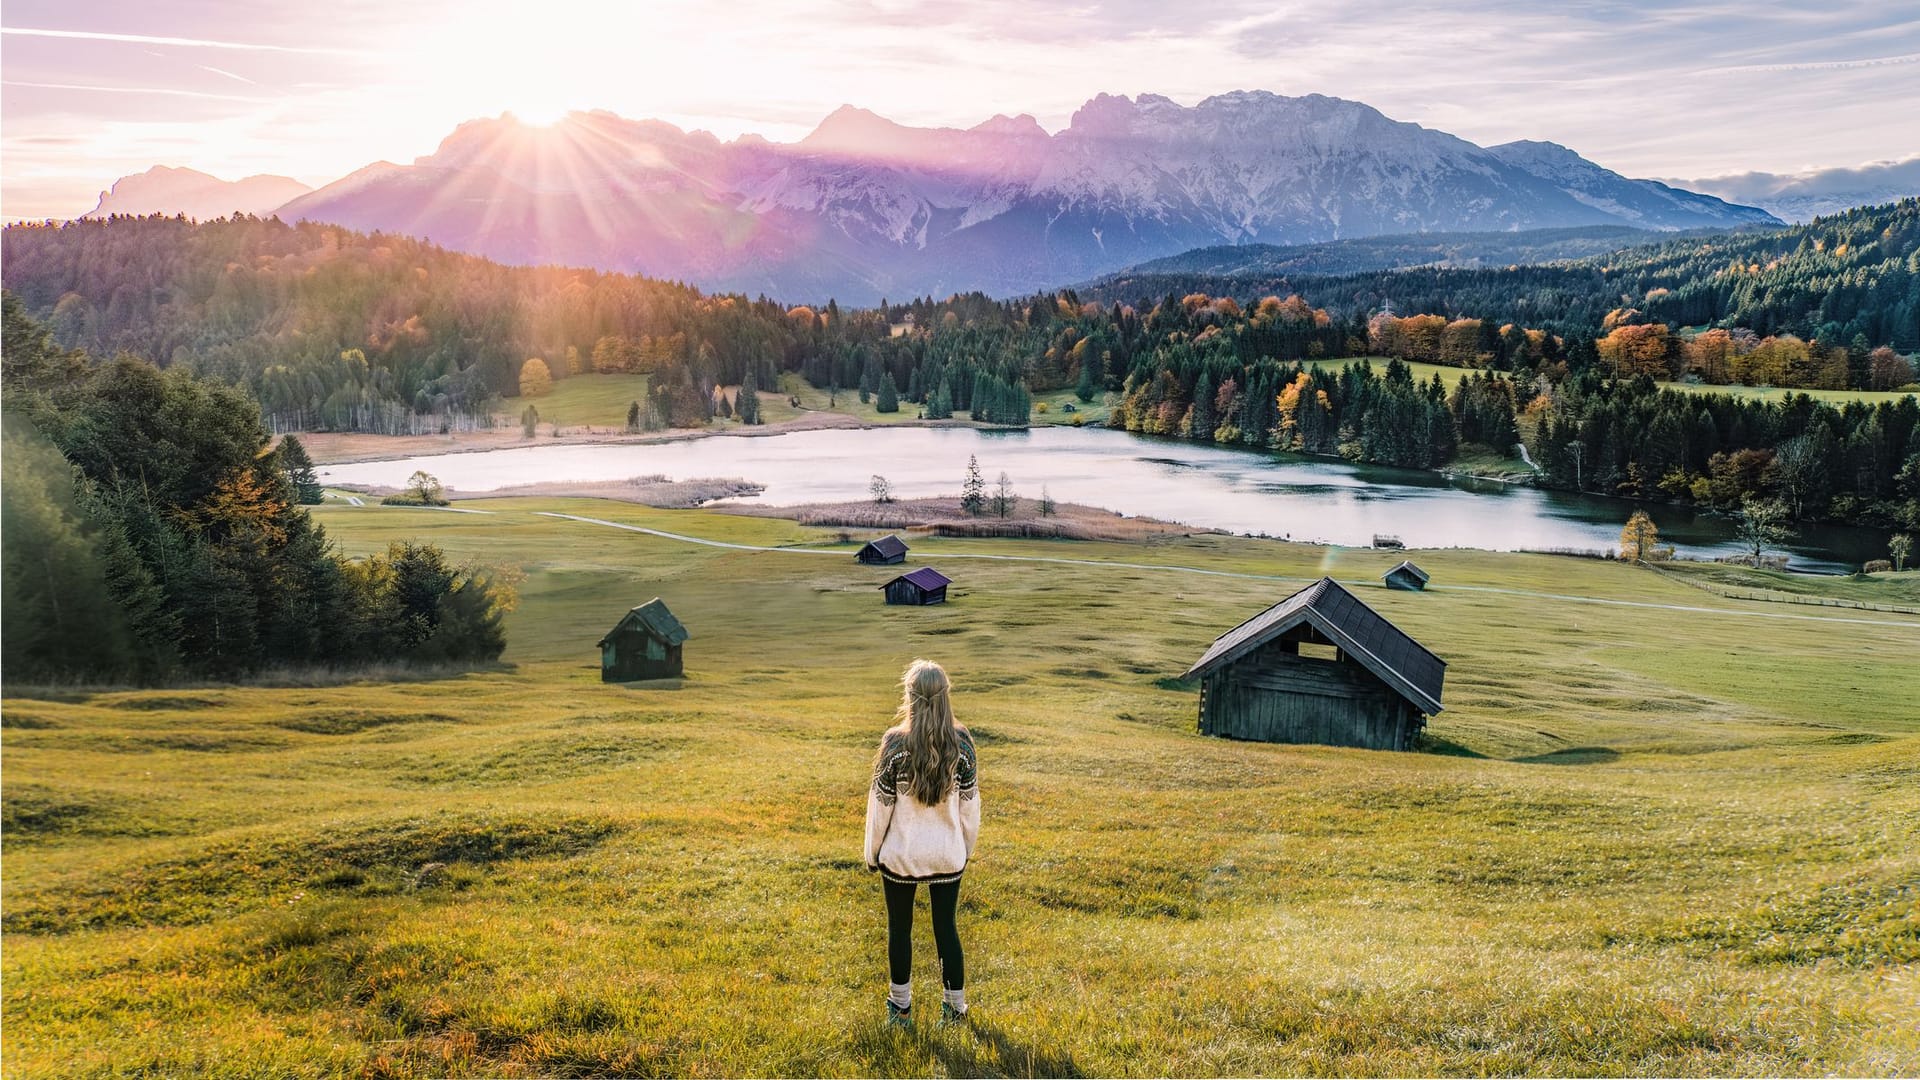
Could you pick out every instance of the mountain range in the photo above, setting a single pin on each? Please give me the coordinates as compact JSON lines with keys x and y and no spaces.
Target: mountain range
{"x":864,"y":208}
{"x":166,"y":190}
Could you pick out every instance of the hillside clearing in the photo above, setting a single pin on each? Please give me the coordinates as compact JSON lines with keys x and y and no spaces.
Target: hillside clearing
{"x":532,"y":872}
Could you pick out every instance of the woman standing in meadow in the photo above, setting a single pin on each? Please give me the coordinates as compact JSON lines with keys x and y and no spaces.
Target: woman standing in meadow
{"x":923,"y":815}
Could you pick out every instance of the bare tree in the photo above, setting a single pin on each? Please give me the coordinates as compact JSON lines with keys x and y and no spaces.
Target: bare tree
{"x":880,"y":489}
{"x":1003,"y":496}
{"x":1047,"y":508}
{"x":1761,"y":524}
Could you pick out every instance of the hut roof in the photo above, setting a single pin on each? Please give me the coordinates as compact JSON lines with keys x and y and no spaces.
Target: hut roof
{"x":1362,"y":633}
{"x":926,"y":577}
{"x":888,"y":546}
{"x":655,"y":619}
{"x":1407,"y":565}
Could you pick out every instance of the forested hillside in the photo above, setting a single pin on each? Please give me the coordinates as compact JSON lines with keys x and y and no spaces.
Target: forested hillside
{"x":1852,"y":279}
{"x":1453,"y":249}
{"x":334,"y":329}
{"x":151,"y":535}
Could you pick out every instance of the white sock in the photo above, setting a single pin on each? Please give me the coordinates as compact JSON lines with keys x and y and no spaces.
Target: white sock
{"x":955,"y":999}
{"x":901,"y":994}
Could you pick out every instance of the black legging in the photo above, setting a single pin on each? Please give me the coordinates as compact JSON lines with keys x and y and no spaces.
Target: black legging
{"x":944,"y":898}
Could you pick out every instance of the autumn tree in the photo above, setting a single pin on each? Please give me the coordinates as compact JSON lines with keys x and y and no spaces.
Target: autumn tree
{"x":1639,"y":538}
{"x":535,"y":379}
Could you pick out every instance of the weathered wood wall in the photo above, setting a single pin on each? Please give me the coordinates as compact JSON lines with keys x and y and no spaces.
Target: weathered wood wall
{"x":906,"y":592}
{"x":1275,"y":695}
{"x":626,"y":657}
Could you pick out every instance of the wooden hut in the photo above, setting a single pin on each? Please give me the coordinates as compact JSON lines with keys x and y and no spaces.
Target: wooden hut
{"x":1407,"y":577}
{"x":644,"y":644}
{"x":883,"y":552}
{"x":1319,"y":667}
{"x":923,"y":586}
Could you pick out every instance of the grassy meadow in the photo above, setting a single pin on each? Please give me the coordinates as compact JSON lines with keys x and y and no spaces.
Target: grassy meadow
{"x":1644,"y":839}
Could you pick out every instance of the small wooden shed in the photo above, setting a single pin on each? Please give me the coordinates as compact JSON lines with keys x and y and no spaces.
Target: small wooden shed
{"x":923,"y":586}
{"x":644,"y":644}
{"x":1407,"y":577}
{"x":883,"y":552}
{"x":1319,"y":667}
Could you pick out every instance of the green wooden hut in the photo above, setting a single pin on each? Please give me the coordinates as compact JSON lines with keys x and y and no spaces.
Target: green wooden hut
{"x":644,"y":644}
{"x":1319,"y":667}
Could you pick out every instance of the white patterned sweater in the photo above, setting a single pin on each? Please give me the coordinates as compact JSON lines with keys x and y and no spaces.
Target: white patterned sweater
{"x":909,"y":841}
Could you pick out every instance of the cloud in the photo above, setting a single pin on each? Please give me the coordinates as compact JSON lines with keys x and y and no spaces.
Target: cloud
{"x":1875,"y":177}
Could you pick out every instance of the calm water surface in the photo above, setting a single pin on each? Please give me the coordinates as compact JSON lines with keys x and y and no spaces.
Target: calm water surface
{"x":1238,"y":490}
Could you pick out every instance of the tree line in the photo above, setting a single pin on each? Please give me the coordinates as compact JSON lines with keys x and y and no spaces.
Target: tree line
{"x":1848,"y":282}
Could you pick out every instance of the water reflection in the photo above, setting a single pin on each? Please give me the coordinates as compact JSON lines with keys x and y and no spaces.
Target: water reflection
{"x":1238,"y":490}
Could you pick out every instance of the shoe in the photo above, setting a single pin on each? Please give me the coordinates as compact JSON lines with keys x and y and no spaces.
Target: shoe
{"x":950,"y":1015}
{"x":899,"y":1017}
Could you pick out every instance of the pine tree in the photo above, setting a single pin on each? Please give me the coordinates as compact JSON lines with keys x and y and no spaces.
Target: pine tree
{"x":633,"y":417}
{"x":1086,"y":387}
{"x":889,"y":398}
{"x":299,"y":467}
{"x":529,"y":421}
{"x":748,"y":405}
{"x":973,"y":493}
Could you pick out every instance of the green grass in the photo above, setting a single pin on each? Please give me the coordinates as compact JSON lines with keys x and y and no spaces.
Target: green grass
{"x":1652,"y":841}
{"x":1452,"y":375}
{"x":774,"y":405}
{"x":587,"y":401}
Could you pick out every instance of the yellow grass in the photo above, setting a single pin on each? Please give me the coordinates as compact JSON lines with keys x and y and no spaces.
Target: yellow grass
{"x":1645,"y":840}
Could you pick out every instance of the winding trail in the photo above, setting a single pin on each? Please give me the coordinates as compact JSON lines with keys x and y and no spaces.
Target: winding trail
{"x":1172,"y":568}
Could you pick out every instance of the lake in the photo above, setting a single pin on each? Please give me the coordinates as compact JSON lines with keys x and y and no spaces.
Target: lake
{"x":1242,"y":491}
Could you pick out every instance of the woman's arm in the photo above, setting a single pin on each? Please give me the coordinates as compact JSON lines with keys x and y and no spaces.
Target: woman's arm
{"x":881,"y":797}
{"x":968,"y":782}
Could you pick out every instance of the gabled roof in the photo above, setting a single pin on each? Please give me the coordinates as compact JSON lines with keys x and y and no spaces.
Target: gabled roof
{"x":926,"y":577}
{"x":655,"y":619}
{"x":1362,"y":633}
{"x":1408,"y":566}
{"x":888,"y":546}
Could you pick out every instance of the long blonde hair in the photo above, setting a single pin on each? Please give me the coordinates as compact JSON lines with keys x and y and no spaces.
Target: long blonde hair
{"x":925,"y":722}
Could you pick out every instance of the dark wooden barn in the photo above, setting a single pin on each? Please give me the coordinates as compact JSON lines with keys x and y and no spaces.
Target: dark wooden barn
{"x":1406,"y":576}
{"x":923,"y":586}
{"x":644,"y":644}
{"x":1319,"y":667}
{"x":883,"y":552}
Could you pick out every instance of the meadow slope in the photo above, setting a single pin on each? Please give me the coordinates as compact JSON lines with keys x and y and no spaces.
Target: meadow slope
{"x":1647,"y":839}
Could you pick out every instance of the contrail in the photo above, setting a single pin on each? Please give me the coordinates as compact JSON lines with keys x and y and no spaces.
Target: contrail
{"x":133,"y":90}
{"x":192,"y":43}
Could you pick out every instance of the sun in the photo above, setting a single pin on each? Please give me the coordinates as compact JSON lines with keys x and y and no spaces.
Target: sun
{"x":539,"y":114}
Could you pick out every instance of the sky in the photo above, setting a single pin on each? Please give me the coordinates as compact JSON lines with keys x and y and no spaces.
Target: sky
{"x":91,"y":92}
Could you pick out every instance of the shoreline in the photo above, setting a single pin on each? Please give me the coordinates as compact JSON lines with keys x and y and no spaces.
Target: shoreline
{"x":340,"y":448}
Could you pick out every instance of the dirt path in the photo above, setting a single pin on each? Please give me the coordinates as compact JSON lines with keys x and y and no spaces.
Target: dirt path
{"x":1563,"y":597}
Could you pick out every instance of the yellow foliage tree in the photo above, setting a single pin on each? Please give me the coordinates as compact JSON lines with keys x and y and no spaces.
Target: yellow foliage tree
{"x":1639,"y":538}
{"x":535,"y":379}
